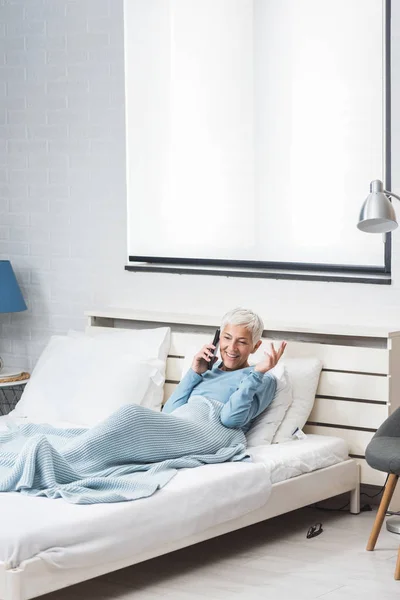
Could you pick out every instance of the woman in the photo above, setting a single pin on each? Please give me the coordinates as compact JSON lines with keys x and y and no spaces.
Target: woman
{"x":245,"y":391}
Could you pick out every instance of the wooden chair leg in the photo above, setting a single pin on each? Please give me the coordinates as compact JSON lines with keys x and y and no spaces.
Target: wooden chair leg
{"x":397,"y":569}
{"x":386,"y":498}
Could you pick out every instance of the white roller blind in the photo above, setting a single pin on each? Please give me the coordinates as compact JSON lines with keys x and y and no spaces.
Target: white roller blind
{"x":253,"y":128}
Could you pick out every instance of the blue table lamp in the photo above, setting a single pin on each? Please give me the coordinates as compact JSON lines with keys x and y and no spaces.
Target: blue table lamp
{"x":11,"y":299}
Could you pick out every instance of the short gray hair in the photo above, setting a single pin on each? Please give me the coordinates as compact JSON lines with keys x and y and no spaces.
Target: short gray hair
{"x":246,"y":317}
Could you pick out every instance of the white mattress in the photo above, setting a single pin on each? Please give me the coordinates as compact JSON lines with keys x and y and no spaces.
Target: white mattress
{"x":297,"y":457}
{"x":68,"y":536}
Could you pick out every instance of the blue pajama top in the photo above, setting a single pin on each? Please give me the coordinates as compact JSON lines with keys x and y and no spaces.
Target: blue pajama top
{"x":245,"y":393}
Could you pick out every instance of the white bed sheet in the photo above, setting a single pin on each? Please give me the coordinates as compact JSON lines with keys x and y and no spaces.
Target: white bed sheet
{"x":68,"y":536}
{"x":297,"y":457}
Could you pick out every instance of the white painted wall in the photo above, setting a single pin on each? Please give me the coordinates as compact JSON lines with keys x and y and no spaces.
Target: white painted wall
{"x":62,"y":189}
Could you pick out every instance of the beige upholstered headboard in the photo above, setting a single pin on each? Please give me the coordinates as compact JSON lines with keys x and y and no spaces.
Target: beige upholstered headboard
{"x":359,"y":384}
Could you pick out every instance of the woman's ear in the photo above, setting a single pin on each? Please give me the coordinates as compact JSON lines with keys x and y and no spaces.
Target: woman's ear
{"x":256,"y":347}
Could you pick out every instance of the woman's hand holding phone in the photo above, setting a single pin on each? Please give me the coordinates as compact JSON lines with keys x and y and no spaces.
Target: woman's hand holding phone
{"x":205,"y":359}
{"x":202,"y":359}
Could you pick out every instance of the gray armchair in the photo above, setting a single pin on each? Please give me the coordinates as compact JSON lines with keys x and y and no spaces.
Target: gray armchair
{"x":383,"y":454}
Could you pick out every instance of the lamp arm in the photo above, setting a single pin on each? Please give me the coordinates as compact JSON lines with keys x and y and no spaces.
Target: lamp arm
{"x":391,"y":194}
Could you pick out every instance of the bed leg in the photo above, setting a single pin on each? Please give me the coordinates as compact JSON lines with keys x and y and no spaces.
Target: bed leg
{"x":13,"y":584}
{"x":355,"y":496}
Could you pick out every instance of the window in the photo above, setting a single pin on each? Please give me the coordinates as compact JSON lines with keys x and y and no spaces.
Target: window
{"x":253,"y":130}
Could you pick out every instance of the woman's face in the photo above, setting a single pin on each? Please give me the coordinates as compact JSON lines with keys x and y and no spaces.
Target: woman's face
{"x":236,"y":345}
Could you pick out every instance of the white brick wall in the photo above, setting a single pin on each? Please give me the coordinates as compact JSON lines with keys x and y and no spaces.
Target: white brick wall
{"x":62,"y":159}
{"x":62,"y":189}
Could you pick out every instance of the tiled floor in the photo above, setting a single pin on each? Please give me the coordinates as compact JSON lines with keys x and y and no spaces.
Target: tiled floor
{"x":272,"y":560}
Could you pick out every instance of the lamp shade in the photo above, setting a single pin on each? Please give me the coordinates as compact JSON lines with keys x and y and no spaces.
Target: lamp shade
{"x":11,"y":299}
{"x":377,"y":213}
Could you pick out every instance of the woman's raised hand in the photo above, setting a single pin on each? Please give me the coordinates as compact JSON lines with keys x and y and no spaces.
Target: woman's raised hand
{"x":271,"y":358}
{"x":202,"y":359}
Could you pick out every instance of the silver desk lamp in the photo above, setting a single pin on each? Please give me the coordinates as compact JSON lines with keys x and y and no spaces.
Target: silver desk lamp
{"x":377,"y":216}
{"x":377,"y":213}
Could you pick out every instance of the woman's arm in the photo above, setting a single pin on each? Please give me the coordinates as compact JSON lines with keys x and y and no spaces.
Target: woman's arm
{"x":255,"y":392}
{"x":253,"y":396}
{"x":182,"y":392}
{"x":199,"y":366}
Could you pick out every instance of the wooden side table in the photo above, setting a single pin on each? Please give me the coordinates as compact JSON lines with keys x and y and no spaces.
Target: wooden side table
{"x":10,"y":393}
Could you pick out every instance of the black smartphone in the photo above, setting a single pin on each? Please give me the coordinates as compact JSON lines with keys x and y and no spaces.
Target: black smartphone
{"x":215,"y":343}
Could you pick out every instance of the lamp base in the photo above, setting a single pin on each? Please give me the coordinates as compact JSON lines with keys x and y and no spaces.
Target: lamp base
{"x":393,"y":525}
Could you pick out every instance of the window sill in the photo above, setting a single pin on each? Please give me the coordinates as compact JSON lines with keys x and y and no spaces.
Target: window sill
{"x":300,"y":274}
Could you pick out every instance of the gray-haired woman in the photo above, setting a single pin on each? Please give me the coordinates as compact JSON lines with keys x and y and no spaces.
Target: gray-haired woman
{"x":245,"y":391}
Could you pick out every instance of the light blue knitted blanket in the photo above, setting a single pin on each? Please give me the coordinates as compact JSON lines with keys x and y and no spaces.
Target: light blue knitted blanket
{"x":128,"y":456}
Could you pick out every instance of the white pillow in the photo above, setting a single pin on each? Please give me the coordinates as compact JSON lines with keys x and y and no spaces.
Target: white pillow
{"x":83,"y":379}
{"x":265,"y":425}
{"x":145,"y":343}
{"x":304,"y":376}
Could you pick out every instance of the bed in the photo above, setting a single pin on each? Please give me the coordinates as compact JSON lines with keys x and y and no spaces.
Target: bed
{"x":48,"y":544}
